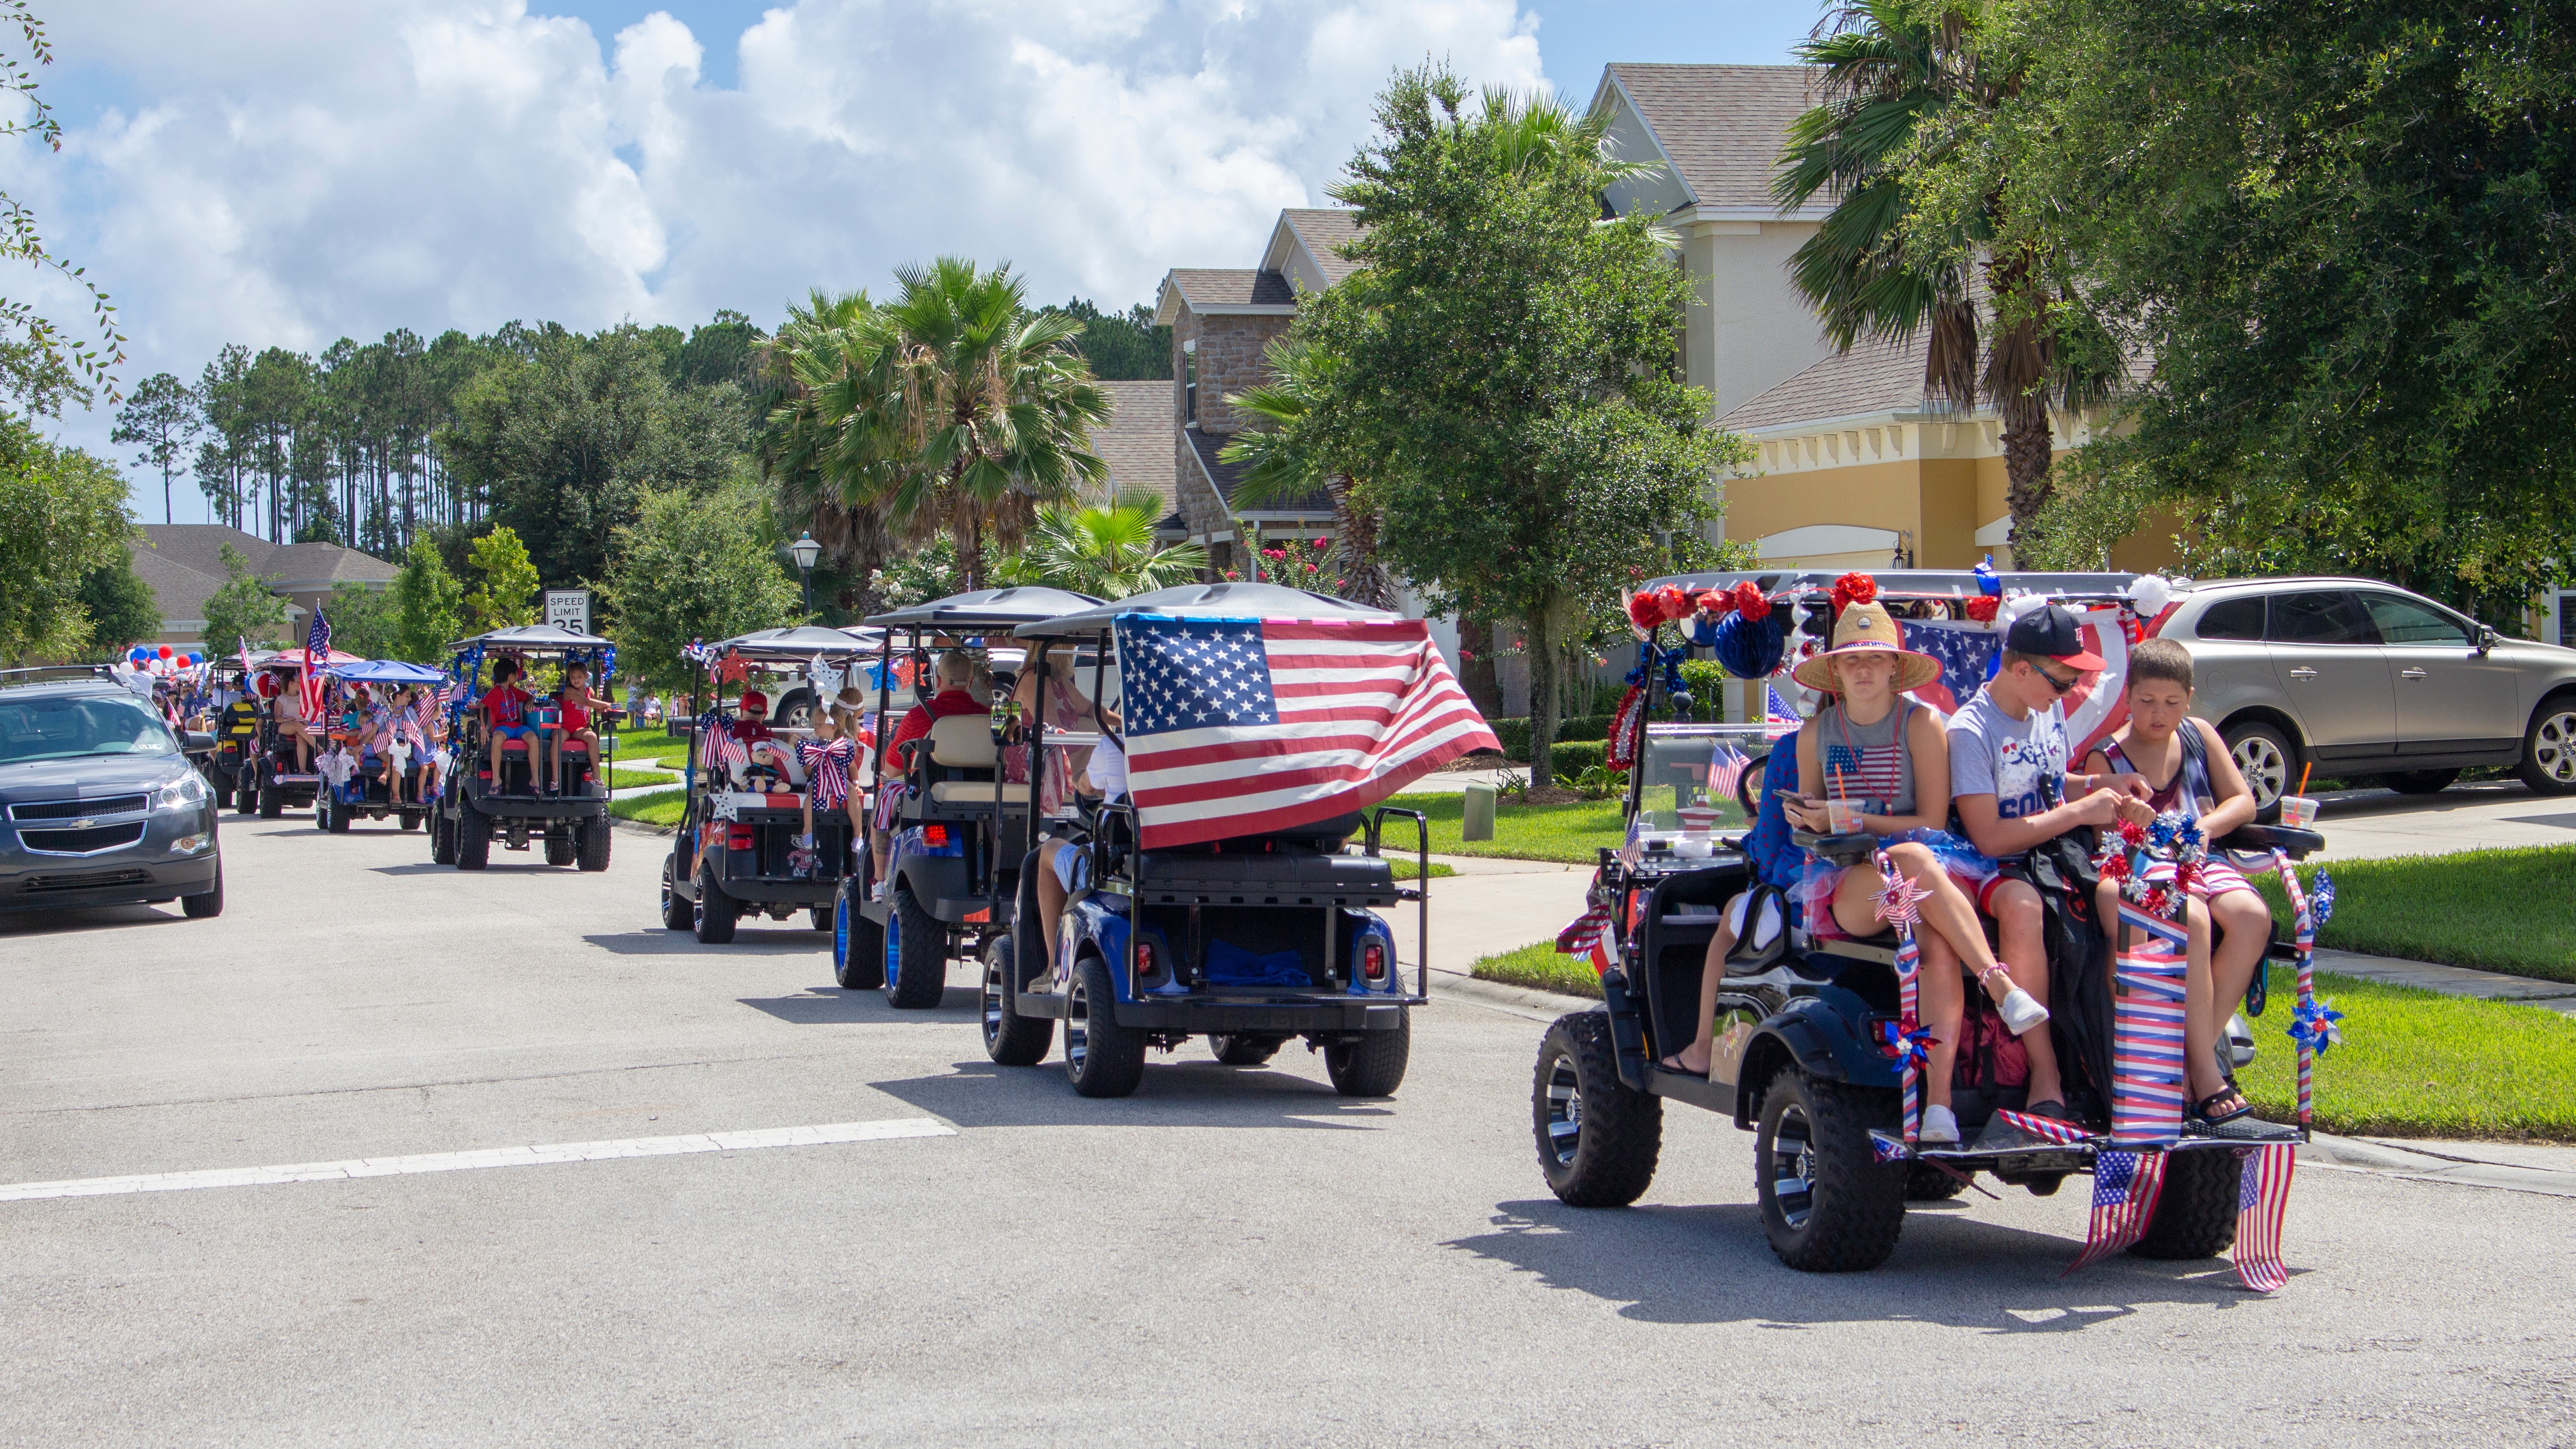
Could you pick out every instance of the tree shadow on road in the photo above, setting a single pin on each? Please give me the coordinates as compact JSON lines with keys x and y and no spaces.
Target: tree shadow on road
{"x":1712,"y":1264}
{"x":1174,"y":1094}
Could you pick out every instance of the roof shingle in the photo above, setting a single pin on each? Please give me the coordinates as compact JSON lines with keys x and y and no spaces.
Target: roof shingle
{"x":1325,"y":231}
{"x":1136,"y":442}
{"x":1871,"y":378}
{"x":1721,"y":124}
{"x":1233,"y":287}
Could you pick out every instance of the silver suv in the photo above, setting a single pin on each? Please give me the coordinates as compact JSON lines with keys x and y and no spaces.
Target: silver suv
{"x":2363,"y":678}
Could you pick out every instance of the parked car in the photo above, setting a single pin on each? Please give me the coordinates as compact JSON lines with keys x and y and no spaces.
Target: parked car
{"x":102,"y":806}
{"x":2364,"y":679}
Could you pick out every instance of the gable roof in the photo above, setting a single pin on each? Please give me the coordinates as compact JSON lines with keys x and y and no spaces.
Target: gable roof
{"x":1136,"y":442}
{"x":1323,"y":232}
{"x":200,"y":547}
{"x":1874,"y":377}
{"x":1225,"y":477}
{"x":1206,"y":287}
{"x":1721,"y":125}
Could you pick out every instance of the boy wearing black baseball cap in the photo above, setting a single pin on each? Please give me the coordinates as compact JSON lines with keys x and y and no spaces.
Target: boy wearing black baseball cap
{"x":2008,"y":756}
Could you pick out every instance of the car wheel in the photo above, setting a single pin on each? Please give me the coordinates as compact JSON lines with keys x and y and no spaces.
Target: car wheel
{"x":2267,"y":760}
{"x":1597,"y":1140}
{"x":206,"y":903}
{"x":1102,"y":1058}
{"x":717,"y":912}
{"x":1374,"y":1065}
{"x":2420,"y":782}
{"x":1010,"y":1039}
{"x":1828,"y":1204}
{"x":858,"y":947}
{"x":2549,"y":747}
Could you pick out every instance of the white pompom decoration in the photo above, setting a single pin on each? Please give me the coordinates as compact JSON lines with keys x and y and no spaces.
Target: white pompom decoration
{"x":2149,"y":593}
{"x":2018,"y":604}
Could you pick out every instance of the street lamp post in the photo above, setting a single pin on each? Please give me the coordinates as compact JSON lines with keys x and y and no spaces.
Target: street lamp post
{"x":806,"y":551}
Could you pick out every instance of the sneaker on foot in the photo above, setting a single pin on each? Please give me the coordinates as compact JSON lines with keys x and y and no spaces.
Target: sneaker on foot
{"x":1940,"y":1128}
{"x":2021,"y":1011}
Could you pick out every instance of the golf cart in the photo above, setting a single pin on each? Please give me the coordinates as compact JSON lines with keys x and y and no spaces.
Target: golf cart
{"x":1240,"y":917}
{"x":944,"y":867}
{"x":277,"y":783}
{"x":476,"y":802}
{"x":362,"y":789}
{"x":736,"y":847}
{"x":1817,"y":1048}
{"x":236,"y":728}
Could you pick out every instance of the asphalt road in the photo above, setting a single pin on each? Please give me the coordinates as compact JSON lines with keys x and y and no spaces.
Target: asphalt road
{"x":1231,"y":1257}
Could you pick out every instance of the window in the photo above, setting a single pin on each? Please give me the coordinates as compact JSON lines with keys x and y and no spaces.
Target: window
{"x":1190,"y":381}
{"x":2567,"y":621}
{"x":2233,"y":619}
{"x":2320,"y":616}
{"x":63,"y":727}
{"x":2404,"y":621}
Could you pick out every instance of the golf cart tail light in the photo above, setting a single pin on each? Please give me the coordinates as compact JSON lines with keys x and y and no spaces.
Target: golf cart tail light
{"x":934,"y":835}
{"x":738,"y":837}
{"x":1373,"y":961}
{"x":1144,"y":958}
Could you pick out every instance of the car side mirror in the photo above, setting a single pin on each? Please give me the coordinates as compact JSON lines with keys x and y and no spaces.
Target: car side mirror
{"x":2488,"y":638}
{"x":197,"y":742}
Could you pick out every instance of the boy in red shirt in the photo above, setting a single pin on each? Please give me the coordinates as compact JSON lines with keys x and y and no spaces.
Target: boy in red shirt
{"x":505,"y":713}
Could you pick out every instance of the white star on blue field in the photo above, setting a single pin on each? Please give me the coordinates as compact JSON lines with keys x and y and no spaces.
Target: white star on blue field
{"x":1190,"y":674}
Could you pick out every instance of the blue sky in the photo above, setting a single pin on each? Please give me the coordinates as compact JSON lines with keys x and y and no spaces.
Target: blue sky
{"x":287,"y":172}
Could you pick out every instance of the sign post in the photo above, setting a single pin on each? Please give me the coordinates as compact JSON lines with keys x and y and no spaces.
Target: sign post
{"x":569,"y":608}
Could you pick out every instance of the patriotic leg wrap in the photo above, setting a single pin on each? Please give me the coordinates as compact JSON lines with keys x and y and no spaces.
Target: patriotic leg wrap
{"x":2306,"y":939}
{"x":2125,"y":1187}
{"x":2263,"y":1195}
{"x":2147,"y":1077}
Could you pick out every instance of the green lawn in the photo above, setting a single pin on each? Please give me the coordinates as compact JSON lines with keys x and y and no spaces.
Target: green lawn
{"x":2501,"y":910}
{"x":1572,"y":833}
{"x":1539,"y":967}
{"x":662,"y":807}
{"x":1407,"y":868}
{"x":639,"y":779}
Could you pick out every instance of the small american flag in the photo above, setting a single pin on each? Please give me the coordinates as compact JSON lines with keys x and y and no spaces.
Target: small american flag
{"x":1883,"y":1148}
{"x":1589,"y":936}
{"x":1239,"y":726}
{"x":317,"y":653}
{"x":1777,"y":717}
{"x":2046,"y":1129}
{"x":2125,"y":1185}
{"x":1726,"y":769}
{"x":728,"y":754}
{"x":2262,"y":1197}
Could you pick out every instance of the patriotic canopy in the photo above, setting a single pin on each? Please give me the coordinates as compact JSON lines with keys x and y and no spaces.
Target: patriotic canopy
{"x":1242,"y":726}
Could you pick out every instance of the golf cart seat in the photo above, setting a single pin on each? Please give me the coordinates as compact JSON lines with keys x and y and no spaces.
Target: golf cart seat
{"x":965,"y":766}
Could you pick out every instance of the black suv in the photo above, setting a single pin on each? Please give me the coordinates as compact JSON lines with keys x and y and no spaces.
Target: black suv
{"x":101,"y":804}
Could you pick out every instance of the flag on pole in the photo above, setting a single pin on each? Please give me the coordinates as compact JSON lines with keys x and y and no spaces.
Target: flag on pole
{"x":1241,"y":726}
{"x":1590,"y":936}
{"x":2262,"y":1197}
{"x":1777,"y":717}
{"x":317,"y":652}
{"x":2125,"y":1185}
{"x":1726,"y":769}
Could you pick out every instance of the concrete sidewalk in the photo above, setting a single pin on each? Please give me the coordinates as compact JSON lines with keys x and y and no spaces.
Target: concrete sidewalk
{"x":2361,"y":824}
{"x":2558,"y":996}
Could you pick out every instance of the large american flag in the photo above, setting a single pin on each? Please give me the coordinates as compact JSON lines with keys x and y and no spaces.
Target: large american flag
{"x":2097,"y":705}
{"x":2262,"y":1198}
{"x":317,"y":653}
{"x":2125,"y":1185}
{"x":1240,"y":726}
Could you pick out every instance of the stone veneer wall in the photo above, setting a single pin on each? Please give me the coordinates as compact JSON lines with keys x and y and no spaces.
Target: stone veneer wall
{"x":1229,"y":360}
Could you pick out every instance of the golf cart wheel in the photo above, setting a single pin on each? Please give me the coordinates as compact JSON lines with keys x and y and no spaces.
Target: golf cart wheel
{"x":208,"y":903}
{"x":245,"y":795}
{"x":322,"y":811}
{"x":559,"y":848}
{"x":340,"y":817}
{"x":1828,"y":1204}
{"x":1245,"y":1050}
{"x":590,"y":844}
{"x":916,"y":955}
{"x":1103,"y":1058}
{"x":473,"y":837}
{"x":1748,"y":787}
{"x":717,"y":912}
{"x":819,"y":917}
{"x":678,"y":912}
{"x":858,"y":955}
{"x":1926,"y":1183}
{"x":1597,"y":1140}
{"x":2267,"y":760}
{"x":2549,"y":747}
{"x":2420,"y":782}
{"x":411,"y":820}
{"x":2196,"y":1208}
{"x":1010,"y":1039}
{"x":442,"y":838}
{"x":1373,"y":1066}
{"x":272,"y":801}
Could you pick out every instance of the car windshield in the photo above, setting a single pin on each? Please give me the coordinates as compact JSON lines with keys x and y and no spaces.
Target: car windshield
{"x":1695,"y":768}
{"x":61,"y":728}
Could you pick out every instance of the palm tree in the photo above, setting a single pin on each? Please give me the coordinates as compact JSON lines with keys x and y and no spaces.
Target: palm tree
{"x":1892,"y":76}
{"x":1292,"y":458}
{"x":800,"y":436}
{"x":1106,"y":551}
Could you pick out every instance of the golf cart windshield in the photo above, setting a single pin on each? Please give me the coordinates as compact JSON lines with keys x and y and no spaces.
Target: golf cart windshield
{"x":1690,"y":773}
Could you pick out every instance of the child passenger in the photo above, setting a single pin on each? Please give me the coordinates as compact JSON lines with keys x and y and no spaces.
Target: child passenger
{"x":827,"y":776}
{"x":2163,"y":742}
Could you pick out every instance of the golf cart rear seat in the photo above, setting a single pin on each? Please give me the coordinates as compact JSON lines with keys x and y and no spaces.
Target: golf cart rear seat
{"x":961,"y":753}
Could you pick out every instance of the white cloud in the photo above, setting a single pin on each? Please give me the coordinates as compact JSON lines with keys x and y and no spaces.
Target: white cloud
{"x":305,"y":169}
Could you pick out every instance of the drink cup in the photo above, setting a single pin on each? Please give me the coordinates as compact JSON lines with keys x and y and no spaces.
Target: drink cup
{"x":2298,"y":812}
{"x":1843,"y":816}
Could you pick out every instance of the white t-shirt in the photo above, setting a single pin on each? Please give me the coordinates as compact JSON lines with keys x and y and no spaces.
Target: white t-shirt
{"x":1108,"y":770}
{"x":2021,"y":762}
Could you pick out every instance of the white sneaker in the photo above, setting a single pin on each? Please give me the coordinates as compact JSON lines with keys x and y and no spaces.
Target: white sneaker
{"x":1940,"y":1128}
{"x":2021,"y":1011}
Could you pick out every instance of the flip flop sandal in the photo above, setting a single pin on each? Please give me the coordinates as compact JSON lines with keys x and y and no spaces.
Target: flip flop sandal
{"x":2200,"y":1109}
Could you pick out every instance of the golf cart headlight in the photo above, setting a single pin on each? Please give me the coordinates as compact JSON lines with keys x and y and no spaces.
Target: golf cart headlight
{"x":187,"y":791}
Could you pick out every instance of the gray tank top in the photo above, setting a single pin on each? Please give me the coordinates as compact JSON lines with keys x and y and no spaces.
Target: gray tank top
{"x":1867,"y":762}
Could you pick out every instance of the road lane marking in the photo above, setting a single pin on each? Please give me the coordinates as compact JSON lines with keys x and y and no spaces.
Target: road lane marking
{"x":484,"y":1157}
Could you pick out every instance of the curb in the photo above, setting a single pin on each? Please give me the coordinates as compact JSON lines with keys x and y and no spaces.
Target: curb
{"x":1518,"y":1001}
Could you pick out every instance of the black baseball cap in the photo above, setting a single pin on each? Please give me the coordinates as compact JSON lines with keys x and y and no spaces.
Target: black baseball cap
{"x":2051,"y":630}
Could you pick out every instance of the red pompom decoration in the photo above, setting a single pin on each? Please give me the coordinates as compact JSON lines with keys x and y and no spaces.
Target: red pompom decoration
{"x":1717,"y":603}
{"x":2115,"y":865}
{"x":1854,"y":588}
{"x":2134,"y":833}
{"x":1645,"y":610}
{"x":1675,"y":605}
{"x":2187,"y":875}
{"x":2157,"y":902}
{"x":1982,"y":608}
{"x":1750,"y":603}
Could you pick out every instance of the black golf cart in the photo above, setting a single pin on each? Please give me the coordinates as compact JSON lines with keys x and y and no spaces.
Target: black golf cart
{"x":366,"y":793}
{"x":233,"y":767}
{"x":945,"y":866}
{"x":277,"y":784}
{"x":1810,"y":1045}
{"x":476,"y":804}
{"x":1248,"y":939}
{"x":736,"y":845}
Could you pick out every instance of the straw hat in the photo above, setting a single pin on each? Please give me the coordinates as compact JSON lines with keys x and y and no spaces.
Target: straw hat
{"x":1867,"y":629}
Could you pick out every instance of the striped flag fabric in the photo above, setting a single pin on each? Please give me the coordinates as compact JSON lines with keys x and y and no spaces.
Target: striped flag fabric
{"x":1777,"y":717}
{"x":2262,"y":1198}
{"x":2125,"y":1185}
{"x":1726,"y":769}
{"x":1241,"y":726}
{"x":317,"y":653}
{"x":726,"y":753}
{"x":2147,"y":1032}
{"x":1590,"y":936}
{"x":2046,"y":1129}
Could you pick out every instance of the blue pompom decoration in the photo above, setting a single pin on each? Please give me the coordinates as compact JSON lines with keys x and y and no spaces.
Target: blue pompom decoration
{"x":1750,"y":648}
{"x":1987,"y":582}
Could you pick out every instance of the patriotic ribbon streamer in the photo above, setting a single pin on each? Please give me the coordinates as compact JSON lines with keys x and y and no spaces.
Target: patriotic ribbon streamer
{"x":1897,"y":889}
{"x":2147,"y":1052}
{"x":2046,"y":1129}
{"x":2321,"y":904}
{"x":2305,"y":935}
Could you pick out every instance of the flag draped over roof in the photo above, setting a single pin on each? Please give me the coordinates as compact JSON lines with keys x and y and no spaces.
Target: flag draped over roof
{"x":1241,"y":726}
{"x":317,"y":655}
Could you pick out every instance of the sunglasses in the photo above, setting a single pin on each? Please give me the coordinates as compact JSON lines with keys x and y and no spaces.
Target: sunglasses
{"x":2055,"y":683}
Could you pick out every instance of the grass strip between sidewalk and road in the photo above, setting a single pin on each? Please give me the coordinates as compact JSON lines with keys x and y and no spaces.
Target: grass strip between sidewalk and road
{"x":2413,"y":1063}
{"x":2499,"y":910}
{"x":1570,"y":834}
{"x":660,"y":807}
{"x":640,"y":780}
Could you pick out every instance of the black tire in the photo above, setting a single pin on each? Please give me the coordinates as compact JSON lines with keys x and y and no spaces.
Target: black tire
{"x":1102,"y":1058}
{"x":473,"y":837}
{"x":916,"y":953}
{"x":559,"y":849}
{"x":1748,"y":787}
{"x":322,"y":810}
{"x":411,"y":820}
{"x":1845,"y":1208}
{"x":679,"y":913}
{"x":2267,"y":760}
{"x":272,"y":802}
{"x":2420,"y":782}
{"x":717,"y":912}
{"x":2196,"y":1208}
{"x":1245,"y":1050}
{"x":1926,"y":1183}
{"x":1010,"y":1039}
{"x":590,"y":844}
{"x":245,"y":795}
{"x":340,"y":816}
{"x":1597,"y":1140}
{"x":206,"y":904}
{"x":2549,"y":747}
{"x":1374,"y":1065}
{"x":442,"y":838}
{"x":820,"y":917}
{"x":858,"y":947}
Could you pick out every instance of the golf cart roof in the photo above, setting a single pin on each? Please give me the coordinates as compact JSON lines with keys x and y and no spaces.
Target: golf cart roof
{"x":799,"y":642}
{"x":1905,"y":583}
{"x":987,"y":611}
{"x":1213,"y":601}
{"x":532,"y":638}
{"x":387,"y":671}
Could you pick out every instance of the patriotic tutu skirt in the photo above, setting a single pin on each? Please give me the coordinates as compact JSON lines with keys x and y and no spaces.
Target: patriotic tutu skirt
{"x":1814,"y":889}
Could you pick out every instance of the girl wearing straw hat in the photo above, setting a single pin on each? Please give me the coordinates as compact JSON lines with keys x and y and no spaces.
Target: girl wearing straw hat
{"x":1879,"y":763}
